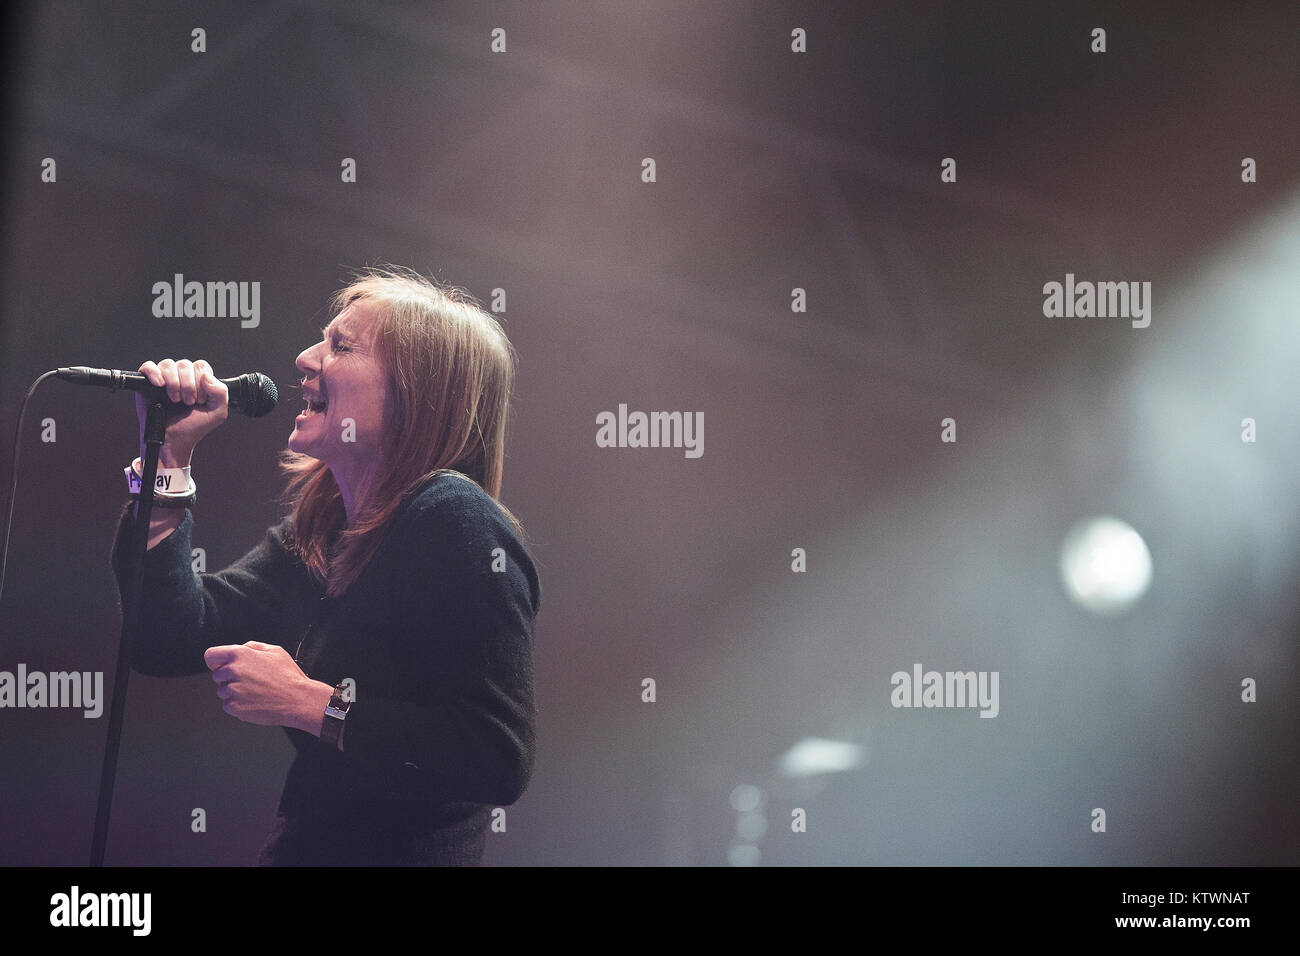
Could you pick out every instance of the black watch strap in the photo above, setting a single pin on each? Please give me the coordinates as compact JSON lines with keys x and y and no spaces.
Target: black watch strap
{"x":336,"y":711}
{"x":172,"y":501}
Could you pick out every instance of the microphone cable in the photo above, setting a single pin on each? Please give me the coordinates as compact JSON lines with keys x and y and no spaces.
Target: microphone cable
{"x":13,"y":483}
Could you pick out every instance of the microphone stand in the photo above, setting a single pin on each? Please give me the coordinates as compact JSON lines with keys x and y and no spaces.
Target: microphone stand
{"x":155,"y":431}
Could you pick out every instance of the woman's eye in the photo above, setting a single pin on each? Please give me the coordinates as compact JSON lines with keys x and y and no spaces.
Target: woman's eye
{"x":338,"y":346}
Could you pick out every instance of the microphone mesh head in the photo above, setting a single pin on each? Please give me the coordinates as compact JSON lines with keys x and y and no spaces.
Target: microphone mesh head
{"x":262,"y":396}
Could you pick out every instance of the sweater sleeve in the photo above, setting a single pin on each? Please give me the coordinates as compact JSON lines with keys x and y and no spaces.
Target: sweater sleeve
{"x":183,"y":613}
{"x":466,"y":730}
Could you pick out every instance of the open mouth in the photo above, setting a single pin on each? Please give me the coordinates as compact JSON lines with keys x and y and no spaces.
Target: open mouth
{"x":315,"y":406}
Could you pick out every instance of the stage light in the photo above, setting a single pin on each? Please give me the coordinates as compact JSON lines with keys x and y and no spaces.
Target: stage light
{"x":751,"y":826}
{"x":743,"y":854}
{"x":815,"y":755}
{"x":1105,"y":565}
{"x":746,"y":797}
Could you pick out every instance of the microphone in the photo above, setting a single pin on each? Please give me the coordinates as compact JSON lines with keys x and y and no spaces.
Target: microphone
{"x":252,"y":393}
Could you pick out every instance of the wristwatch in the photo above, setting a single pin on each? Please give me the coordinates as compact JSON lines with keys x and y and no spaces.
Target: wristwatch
{"x":335,"y":713}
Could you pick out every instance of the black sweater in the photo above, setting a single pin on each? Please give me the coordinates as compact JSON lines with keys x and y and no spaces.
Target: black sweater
{"x":439,"y":646}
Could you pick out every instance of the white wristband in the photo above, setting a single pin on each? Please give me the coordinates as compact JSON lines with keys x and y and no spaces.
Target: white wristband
{"x":168,"y":483}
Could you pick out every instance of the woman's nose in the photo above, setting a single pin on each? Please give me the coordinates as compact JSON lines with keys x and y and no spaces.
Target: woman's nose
{"x":306,"y":360}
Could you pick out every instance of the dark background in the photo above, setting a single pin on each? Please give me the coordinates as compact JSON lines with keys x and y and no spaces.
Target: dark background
{"x":521,"y":171}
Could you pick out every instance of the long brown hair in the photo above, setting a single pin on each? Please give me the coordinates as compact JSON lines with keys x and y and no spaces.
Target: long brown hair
{"x":450,"y":369}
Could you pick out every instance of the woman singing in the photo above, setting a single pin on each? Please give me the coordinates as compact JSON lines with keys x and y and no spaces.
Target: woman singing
{"x":387,"y":621}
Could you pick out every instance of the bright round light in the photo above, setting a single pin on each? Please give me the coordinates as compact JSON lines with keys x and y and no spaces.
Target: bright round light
{"x":743,"y":854}
{"x":751,"y":826}
{"x":1105,"y":565}
{"x":746,"y":797}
